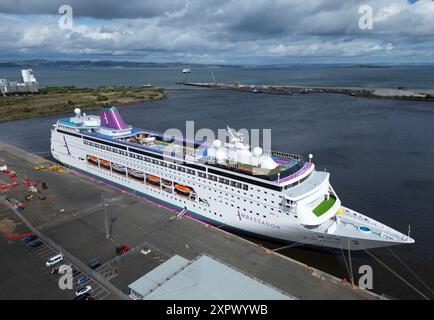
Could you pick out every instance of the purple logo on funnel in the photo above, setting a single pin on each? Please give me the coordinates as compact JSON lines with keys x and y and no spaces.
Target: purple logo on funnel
{"x":110,"y":118}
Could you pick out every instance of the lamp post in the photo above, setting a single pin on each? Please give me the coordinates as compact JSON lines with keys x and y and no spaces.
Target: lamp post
{"x":107,"y":228}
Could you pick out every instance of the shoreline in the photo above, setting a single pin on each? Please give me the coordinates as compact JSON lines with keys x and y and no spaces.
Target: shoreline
{"x":57,"y":100}
{"x":371,"y":93}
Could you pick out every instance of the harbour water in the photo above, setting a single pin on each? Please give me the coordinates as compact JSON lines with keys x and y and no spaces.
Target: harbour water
{"x":379,"y":154}
{"x":322,"y":75}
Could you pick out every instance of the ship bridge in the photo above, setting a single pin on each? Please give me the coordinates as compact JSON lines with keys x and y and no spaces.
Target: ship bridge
{"x":313,"y":199}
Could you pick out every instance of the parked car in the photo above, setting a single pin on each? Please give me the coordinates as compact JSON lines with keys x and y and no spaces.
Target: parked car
{"x":54,"y":260}
{"x":75,"y":272}
{"x":83,"y":290}
{"x":145,"y":251}
{"x":93,"y":264}
{"x":34,"y":244}
{"x":122,"y":249}
{"x":83,"y":296}
{"x":30,"y":238}
{"x":82,"y":279}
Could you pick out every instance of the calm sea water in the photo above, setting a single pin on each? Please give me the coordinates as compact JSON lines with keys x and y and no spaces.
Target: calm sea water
{"x":390,"y":77}
{"x":379,"y":153}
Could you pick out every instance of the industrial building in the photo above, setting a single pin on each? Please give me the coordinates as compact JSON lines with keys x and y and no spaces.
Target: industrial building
{"x":29,"y":84}
{"x":203,"y":278}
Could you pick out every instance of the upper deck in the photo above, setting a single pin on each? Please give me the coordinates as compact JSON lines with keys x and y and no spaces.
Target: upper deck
{"x":278,"y":168}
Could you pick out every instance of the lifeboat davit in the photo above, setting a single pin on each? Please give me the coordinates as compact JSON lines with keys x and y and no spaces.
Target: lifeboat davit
{"x":118,"y":167}
{"x":183,"y":189}
{"x":135,"y":173}
{"x":167,"y":183}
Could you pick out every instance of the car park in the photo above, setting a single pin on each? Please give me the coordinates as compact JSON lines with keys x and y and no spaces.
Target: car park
{"x":54,"y":260}
{"x":83,"y":290}
{"x":75,"y":272}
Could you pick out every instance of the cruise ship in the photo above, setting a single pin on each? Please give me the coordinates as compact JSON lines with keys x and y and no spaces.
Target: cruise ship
{"x":265,"y":194}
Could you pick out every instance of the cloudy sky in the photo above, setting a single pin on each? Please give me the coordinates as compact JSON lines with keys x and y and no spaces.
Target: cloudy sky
{"x":220,"y":32}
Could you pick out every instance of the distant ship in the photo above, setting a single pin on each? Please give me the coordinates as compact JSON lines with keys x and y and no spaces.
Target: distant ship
{"x":186,"y":70}
{"x":267,"y":194}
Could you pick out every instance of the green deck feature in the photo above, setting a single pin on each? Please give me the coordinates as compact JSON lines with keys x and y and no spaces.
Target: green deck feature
{"x":324,"y":206}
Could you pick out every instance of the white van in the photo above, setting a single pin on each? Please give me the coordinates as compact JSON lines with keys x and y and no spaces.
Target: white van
{"x":53,"y":260}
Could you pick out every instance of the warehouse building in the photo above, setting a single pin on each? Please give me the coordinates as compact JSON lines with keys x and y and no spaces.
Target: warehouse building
{"x":29,"y":84}
{"x":203,"y":278}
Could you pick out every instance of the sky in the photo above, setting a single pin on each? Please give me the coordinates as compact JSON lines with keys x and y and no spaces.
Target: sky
{"x":258,"y":32}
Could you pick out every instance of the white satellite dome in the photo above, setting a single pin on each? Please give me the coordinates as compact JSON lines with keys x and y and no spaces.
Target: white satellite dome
{"x":268,"y":163}
{"x":217,"y":144}
{"x":77,"y":111}
{"x":257,"y":152}
{"x":220,"y":155}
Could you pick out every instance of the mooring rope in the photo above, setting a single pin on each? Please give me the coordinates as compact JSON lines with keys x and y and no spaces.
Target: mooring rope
{"x":350,"y":263}
{"x":411,"y":271}
{"x":396,"y":274}
{"x":345,"y":260}
{"x":299,"y":243}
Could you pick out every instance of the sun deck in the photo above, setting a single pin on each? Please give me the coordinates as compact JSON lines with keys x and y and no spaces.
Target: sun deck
{"x":289,"y":166}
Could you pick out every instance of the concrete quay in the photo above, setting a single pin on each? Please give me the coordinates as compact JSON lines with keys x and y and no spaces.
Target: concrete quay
{"x":73,"y":217}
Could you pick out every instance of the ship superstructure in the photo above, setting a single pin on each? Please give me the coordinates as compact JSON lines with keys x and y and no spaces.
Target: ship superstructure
{"x":269,"y":194}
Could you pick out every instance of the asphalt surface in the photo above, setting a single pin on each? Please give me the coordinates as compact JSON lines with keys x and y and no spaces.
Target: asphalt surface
{"x":23,"y":274}
{"x":73,"y":217}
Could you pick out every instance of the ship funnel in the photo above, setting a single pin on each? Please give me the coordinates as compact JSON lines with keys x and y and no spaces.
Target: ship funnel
{"x":110,"y":118}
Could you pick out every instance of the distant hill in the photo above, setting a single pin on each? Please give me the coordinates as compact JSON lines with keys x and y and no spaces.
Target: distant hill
{"x":97,"y":64}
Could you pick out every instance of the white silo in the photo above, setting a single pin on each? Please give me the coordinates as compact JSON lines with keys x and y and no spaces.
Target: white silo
{"x":28,"y":75}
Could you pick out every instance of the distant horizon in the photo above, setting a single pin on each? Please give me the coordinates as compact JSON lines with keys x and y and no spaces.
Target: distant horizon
{"x":186,"y":63}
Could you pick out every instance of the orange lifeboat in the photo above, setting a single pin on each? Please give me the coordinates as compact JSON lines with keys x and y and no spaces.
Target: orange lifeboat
{"x":105,"y":163}
{"x":183,"y":189}
{"x":92,"y":159}
{"x":153,"y":179}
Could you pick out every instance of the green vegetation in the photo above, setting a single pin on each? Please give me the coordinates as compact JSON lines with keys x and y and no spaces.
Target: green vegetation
{"x":324,"y":206}
{"x":55,"y":100}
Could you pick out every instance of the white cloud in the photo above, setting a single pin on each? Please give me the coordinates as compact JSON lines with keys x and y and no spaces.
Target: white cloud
{"x":226,"y":31}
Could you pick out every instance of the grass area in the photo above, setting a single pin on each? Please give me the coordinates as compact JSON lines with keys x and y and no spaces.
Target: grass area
{"x":324,"y":206}
{"x":55,"y":100}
